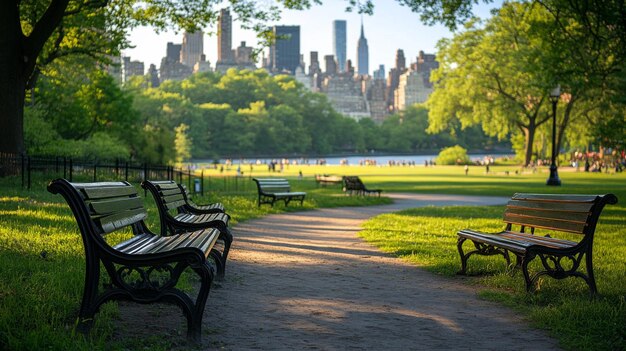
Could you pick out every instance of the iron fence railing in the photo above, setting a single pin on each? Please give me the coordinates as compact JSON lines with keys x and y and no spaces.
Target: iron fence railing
{"x":24,"y":167}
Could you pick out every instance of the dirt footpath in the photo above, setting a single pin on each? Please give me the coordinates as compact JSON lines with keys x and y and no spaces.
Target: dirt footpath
{"x":305,"y":280}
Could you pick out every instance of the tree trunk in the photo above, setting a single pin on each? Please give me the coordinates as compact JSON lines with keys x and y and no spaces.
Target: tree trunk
{"x":529,"y":140}
{"x":12,"y":80}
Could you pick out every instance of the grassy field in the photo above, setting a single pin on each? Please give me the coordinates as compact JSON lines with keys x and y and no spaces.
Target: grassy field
{"x":42,"y":263}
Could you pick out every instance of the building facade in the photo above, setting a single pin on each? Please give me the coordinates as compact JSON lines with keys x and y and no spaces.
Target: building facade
{"x":225,"y":38}
{"x":192,"y":48}
{"x":340,"y":43}
{"x":285,"y":51}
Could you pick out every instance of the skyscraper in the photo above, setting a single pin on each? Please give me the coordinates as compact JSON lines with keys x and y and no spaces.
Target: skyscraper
{"x":362,"y":56}
{"x":225,"y":37}
{"x":285,"y":51}
{"x":192,"y":49}
{"x":173,"y":52}
{"x":339,"y":43}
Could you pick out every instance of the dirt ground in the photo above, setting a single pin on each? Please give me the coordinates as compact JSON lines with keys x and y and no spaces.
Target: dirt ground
{"x":306,"y":281}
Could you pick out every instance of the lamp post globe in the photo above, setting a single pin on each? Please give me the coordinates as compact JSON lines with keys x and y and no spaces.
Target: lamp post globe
{"x":554,"y":174}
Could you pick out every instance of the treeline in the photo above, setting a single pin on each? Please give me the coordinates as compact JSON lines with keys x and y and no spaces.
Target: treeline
{"x":81,"y":112}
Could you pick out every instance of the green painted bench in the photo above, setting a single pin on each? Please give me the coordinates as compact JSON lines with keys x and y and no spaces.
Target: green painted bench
{"x":145,"y":268}
{"x":546,"y":214}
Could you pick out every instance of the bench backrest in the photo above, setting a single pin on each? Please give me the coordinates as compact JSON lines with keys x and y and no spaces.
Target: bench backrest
{"x":101,"y":208}
{"x":272,"y":185}
{"x":167,"y":193}
{"x":353,"y":183}
{"x":568,"y":213}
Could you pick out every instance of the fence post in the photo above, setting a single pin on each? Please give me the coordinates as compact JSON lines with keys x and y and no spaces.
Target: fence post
{"x":28,"y":172}
{"x":95,"y":170}
{"x":56,"y":164}
{"x":202,"y":182}
{"x":71,"y":168}
{"x":126,"y":171}
{"x":23,"y":170}
{"x":117,"y":168}
{"x":189,"y":177}
{"x":145,"y":171}
{"x":64,"y":167}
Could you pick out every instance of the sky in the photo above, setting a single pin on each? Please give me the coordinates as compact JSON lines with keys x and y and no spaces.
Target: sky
{"x":391,"y":27}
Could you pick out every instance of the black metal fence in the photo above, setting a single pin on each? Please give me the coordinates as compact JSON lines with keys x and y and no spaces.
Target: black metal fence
{"x":24,"y":168}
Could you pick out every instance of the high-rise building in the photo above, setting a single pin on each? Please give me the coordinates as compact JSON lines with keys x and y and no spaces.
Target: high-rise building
{"x":225,"y":37}
{"x":173,"y":52}
{"x":331,"y":64}
{"x":314,"y":67}
{"x":362,"y":56}
{"x":400,"y":60}
{"x":393,"y":79}
{"x":192,"y":48}
{"x":380,"y":73}
{"x":340,"y":43}
{"x":285,"y":51}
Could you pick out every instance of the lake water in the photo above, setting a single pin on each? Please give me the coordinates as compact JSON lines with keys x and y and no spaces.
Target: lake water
{"x":360,"y":160}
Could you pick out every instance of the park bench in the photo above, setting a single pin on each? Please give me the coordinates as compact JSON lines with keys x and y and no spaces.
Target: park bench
{"x":273,"y":189}
{"x":145,"y":268}
{"x":325,"y":179}
{"x":354,"y":185}
{"x":551,"y":215}
{"x":177,"y":217}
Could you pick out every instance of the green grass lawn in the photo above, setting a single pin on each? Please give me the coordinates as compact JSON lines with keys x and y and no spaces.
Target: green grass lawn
{"x":42,"y":263}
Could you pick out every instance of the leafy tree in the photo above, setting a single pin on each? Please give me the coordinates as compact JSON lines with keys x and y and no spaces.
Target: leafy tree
{"x":491,"y":76}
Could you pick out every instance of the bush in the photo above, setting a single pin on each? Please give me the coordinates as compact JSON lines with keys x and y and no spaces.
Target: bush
{"x":454,"y":155}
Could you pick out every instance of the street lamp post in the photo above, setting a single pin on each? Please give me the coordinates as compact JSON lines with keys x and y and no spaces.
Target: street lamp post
{"x":554,"y":175}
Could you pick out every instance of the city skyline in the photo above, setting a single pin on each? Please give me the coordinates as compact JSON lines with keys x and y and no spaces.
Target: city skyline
{"x":388,"y":29}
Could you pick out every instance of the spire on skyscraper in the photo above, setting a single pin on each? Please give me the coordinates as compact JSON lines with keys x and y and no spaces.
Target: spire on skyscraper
{"x":362,"y":56}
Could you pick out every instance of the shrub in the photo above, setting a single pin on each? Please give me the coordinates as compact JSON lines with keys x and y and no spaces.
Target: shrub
{"x":454,"y":155}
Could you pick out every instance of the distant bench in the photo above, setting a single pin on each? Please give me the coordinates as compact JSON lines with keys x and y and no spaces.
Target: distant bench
{"x":560,"y":258}
{"x":327,"y":179}
{"x":354,"y":185}
{"x":145,"y":268}
{"x":271,"y":190}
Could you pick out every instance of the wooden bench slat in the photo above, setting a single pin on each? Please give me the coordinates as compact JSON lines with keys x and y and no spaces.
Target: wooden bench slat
{"x":109,"y":191}
{"x":114,"y":205}
{"x":555,"y":198}
{"x":173,"y":198}
{"x":546,"y":223}
{"x":540,"y":240}
{"x":122,"y":219}
{"x":552,"y":206}
{"x":580,"y":217}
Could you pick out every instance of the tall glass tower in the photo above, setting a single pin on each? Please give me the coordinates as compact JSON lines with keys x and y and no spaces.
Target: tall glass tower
{"x":285,"y":52}
{"x":362,"y":55}
{"x":340,"y":43}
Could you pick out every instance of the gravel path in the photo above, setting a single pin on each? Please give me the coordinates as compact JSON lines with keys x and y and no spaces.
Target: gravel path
{"x":306,"y":281}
